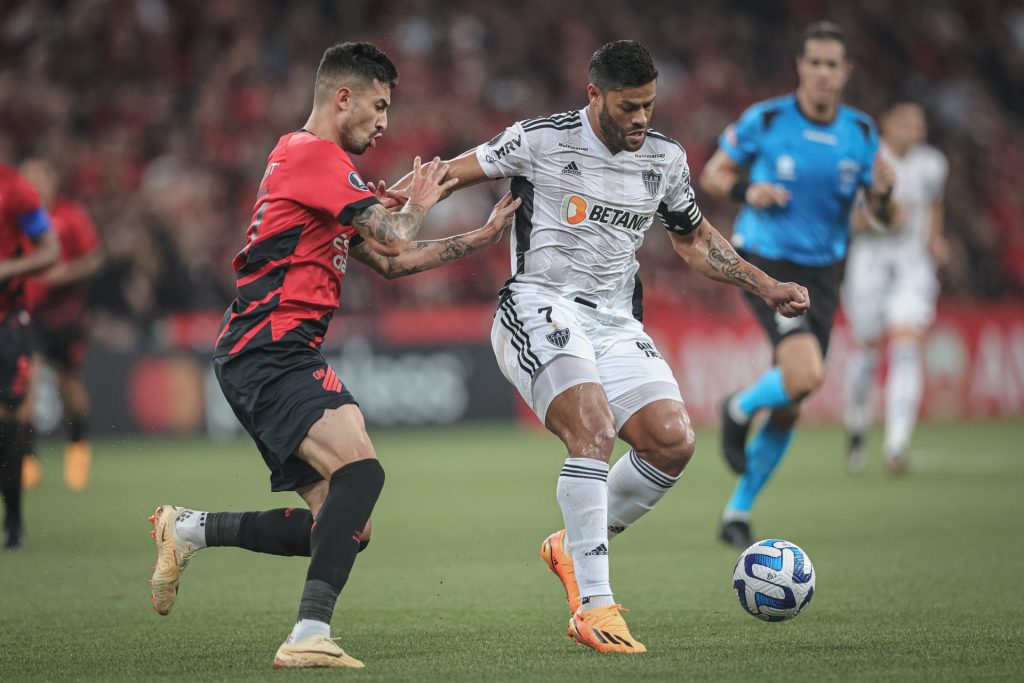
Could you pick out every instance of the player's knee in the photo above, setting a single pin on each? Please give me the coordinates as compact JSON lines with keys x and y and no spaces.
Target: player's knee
{"x":804,"y":381}
{"x":597,"y":442}
{"x":672,"y":448}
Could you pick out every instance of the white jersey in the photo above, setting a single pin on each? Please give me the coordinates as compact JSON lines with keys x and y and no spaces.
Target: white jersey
{"x":890,"y":276}
{"x":920,"y":179}
{"x":585,"y":210}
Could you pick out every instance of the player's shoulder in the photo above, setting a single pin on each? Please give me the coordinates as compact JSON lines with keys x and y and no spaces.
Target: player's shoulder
{"x":556,"y":122}
{"x":660,"y":147}
{"x":764,"y":113}
{"x":861,"y":121}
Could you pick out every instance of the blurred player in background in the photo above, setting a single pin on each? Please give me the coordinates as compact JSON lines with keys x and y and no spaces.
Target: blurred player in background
{"x":27,"y":246}
{"x":57,"y":298}
{"x":796,"y":163}
{"x":891,"y":288}
{"x":312,"y":212}
{"x":568,"y":332}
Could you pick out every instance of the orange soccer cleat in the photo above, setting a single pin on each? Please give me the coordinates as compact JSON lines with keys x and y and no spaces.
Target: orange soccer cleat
{"x":604,"y":630}
{"x":31,"y":472}
{"x":172,"y":556}
{"x":560,"y":562}
{"x":77,"y":462}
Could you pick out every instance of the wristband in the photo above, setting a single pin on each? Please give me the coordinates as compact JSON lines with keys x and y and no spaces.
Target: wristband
{"x":739,"y":191}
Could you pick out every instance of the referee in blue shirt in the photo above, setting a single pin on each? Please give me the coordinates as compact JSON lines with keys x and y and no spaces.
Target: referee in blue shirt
{"x":796,"y":163}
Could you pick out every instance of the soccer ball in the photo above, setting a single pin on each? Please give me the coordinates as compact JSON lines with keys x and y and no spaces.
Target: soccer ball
{"x":774,"y":580}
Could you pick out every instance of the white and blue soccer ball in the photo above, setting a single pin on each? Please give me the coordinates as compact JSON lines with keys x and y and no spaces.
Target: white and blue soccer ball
{"x":774,"y":580}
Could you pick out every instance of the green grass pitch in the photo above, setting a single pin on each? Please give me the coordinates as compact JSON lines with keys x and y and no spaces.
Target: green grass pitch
{"x":919,"y":579}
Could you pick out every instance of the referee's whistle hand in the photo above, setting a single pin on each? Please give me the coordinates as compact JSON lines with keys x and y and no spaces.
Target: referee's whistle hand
{"x":767,"y":195}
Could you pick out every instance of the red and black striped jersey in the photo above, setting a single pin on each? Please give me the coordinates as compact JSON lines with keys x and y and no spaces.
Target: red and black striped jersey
{"x":21,"y":222}
{"x":288,"y":275}
{"x":78,"y":237}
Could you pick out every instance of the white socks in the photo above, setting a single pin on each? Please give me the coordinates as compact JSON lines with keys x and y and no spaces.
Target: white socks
{"x":634,"y":487}
{"x":306,"y":628}
{"x":902,"y":395}
{"x":191,"y":527}
{"x":860,"y":379}
{"x":583,"y":497}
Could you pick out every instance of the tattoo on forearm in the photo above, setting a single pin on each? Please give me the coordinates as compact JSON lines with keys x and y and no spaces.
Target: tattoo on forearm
{"x":447,"y":250}
{"x":723,"y":259}
{"x":386,"y":227}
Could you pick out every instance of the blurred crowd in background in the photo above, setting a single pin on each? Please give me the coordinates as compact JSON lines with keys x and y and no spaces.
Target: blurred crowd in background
{"x":159,"y":115}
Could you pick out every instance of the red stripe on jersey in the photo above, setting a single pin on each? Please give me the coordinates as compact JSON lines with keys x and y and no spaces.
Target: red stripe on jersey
{"x":248,"y":309}
{"x":249,"y":335}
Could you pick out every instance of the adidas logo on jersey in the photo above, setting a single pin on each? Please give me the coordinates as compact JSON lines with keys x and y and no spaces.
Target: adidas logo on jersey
{"x":571,"y":169}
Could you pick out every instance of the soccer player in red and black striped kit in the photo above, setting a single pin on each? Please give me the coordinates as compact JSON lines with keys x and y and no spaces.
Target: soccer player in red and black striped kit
{"x":27,"y":245}
{"x":312,"y":212}
{"x":58,"y":305}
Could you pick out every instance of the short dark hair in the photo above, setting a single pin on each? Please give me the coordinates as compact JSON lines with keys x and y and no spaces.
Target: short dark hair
{"x":824,"y":30}
{"x":354,"y":62}
{"x":621,"y":64}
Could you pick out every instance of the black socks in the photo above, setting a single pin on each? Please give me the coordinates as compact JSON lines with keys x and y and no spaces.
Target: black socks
{"x":337,"y":535}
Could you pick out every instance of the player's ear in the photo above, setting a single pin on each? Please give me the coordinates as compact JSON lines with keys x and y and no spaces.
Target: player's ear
{"x":593,"y":94}
{"x":343,"y":98}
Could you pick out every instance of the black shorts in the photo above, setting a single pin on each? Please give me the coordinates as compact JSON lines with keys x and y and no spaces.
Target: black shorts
{"x":15,"y":358}
{"x":277,"y":392}
{"x":62,"y":345}
{"x":822,"y":283}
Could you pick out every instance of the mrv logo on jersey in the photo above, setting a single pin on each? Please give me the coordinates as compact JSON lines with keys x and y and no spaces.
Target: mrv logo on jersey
{"x":509,"y":147}
{"x":576,"y":209}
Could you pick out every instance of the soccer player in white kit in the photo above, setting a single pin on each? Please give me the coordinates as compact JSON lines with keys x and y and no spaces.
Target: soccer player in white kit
{"x":568,"y":332}
{"x":890,"y":288}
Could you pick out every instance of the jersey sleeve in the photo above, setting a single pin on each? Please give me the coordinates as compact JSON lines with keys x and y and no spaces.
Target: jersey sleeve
{"x":742,"y":140}
{"x":507,"y":154}
{"x":32,"y":218}
{"x":678,"y":210}
{"x":322,"y":177}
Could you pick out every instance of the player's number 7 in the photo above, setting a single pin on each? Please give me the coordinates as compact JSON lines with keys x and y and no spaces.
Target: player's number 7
{"x":546,"y":310}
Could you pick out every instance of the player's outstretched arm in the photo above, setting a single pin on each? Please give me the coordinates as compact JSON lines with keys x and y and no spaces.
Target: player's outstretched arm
{"x":711,"y":255}
{"x":465,"y":168}
{"x":389,"y":232}
{"x":433,"y":253}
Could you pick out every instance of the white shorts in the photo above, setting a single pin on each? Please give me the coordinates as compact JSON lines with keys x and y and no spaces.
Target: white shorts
{"x":888,"y":288}
{"x":532,"y":329}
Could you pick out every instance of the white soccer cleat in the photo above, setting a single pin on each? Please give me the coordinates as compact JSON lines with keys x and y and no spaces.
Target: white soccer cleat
{"x":314,"y":652}
{"x":172,"y":556}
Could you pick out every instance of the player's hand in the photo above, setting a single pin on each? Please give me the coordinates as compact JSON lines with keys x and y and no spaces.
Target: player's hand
{"x":767,"y":195}
{"x":428,"y":182}
{"x":883,"y":176}
{"x":390,"y":200}
{"x":788,"y":298}
{"x":498,"y":223}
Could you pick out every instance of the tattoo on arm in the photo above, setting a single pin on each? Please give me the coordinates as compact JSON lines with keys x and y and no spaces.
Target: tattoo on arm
{"x":722,"y":258}
{"x":417,"y":257}
{"x":386,"y":227}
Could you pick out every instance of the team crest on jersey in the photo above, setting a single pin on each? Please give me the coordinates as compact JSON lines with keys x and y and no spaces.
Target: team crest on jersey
{"x":355,"y":181}
{"x":560,"y":337}
{"x":652,"y":181}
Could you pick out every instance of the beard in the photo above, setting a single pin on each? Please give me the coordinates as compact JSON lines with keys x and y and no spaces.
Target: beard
{"x":353,"y":144}
{"x":615,"y":135}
